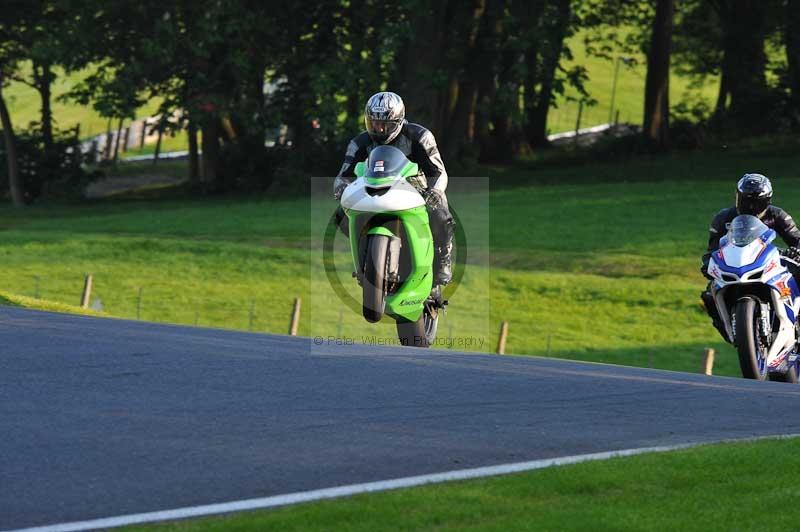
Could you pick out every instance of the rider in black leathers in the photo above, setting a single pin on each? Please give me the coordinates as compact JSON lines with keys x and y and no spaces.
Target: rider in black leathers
{"x":384,"y":117}
{"x":754,"y":197}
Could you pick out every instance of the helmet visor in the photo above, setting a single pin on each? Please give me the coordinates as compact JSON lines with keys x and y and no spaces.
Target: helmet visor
{"x":752,"y":205}
{"x":382,"y":130}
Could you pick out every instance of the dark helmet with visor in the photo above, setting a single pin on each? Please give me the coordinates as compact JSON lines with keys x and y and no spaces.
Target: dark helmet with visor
{"x":753,"y":194}
{"x":384,"y":116}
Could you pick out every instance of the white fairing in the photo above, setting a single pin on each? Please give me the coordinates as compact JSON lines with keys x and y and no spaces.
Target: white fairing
{"x":401,"y":196}
{"x":742,"y":256}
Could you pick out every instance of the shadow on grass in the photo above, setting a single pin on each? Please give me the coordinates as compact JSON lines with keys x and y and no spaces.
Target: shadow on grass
{"x":5,"y":301}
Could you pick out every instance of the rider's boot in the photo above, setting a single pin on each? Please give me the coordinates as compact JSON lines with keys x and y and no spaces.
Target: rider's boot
{"x":443,"y":229}
{"x":443,"y":264}
{"x":711,"y":309}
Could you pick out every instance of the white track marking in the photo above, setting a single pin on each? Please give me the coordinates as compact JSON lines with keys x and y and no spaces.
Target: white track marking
{"x":368,"y":487}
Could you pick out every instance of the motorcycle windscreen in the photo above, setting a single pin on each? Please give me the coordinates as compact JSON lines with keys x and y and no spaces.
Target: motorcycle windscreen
{"x":386,"y":161}
{"x":745,"y":229}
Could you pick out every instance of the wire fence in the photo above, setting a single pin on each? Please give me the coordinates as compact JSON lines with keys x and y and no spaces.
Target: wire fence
{"x":145,"y":304}
{"x":283,"y":316}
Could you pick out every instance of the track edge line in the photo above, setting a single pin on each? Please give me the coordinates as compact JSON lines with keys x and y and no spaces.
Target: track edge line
{"x":371,"y":487}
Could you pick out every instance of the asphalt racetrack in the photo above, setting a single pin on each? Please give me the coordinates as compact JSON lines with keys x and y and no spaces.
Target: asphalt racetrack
{"x":103,"y":417}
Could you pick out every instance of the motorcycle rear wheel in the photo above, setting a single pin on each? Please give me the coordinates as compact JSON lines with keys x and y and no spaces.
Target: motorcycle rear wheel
{"x":420,"y":333}
{"x":752,"y":354}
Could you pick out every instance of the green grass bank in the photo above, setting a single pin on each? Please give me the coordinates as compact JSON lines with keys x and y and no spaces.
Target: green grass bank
{"x":717,"y":487}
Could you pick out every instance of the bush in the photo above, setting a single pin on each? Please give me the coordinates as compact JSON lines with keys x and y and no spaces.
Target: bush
{"x":59,"y":174}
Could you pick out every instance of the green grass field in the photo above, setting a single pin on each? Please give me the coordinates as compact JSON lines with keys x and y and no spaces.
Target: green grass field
{"x":586,"y":269}
{"x":719,"y":487}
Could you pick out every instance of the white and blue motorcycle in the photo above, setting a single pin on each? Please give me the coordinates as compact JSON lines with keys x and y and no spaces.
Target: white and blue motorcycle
{"x":758,"y":300}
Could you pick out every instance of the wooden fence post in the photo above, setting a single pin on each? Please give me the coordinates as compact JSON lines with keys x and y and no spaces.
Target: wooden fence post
{"x":157,"y":153}
{"x":87,"y":291}
{"x":708,"y":361}
{"x":295,"y":317}
{"x":117,"y":139}
{"x":501,"y":342}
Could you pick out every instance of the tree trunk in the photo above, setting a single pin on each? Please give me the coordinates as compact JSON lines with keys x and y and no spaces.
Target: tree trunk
{"x":116,"y":140}
{"x":191,"y":130}
{"x":487,"y":81}
{"x":656,"y":96}
{"x":210,"y":144}
{"x":460,"y":129}
{"x":792,"y":33}
{"x":355,"y":95}
{"x":43,"y":80}
{"x":744,"y":63}
{"x":157,"y":152}
{"x":722,"y":96}
{"x":14,"y":182}
{"x":506,"y":135}
{"x":109,"y":138}
{"x":536,"y":113}
{"x":503,"y":145}
{"x":422,"y":66}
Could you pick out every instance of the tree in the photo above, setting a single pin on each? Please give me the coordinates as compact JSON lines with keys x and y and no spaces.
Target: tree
{"x":656,"y":99}
{"x":744,"y":24}
{"x":543,"y":59}
{"x":43,"y":31}
{"x":13,"y":27}
{"x":14,"y":183}
{"x":207,"y":62}
{"x":792,"y":42}
{"x":697,"y":48}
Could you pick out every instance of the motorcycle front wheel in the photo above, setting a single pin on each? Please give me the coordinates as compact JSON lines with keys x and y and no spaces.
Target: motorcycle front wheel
{"x":374,"y":281}
{"x":752,"y":353}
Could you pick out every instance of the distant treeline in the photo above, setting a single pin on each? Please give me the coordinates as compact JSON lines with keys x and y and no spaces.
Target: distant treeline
{"x":482,"y":74}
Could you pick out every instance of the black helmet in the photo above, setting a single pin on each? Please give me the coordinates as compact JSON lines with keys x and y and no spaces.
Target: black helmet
{"x":384,"y":116}
{"x":753,"y":194}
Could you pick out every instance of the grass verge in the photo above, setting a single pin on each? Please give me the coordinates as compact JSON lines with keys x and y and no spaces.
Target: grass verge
{"x":14,"y":300}
{"x":739,"y":486}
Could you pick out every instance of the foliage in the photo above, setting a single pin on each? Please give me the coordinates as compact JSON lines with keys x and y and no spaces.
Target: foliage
{"x":483,"y":75}
{"x":59,"y":175}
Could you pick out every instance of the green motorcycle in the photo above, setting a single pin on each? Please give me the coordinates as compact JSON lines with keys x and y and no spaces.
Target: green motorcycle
{"x":392,"y":245}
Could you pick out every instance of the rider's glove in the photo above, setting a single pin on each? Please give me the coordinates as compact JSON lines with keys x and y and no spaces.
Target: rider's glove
{"x":338,"y":187}
{"x":433,"y":197}
{"x":792,"y":254}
